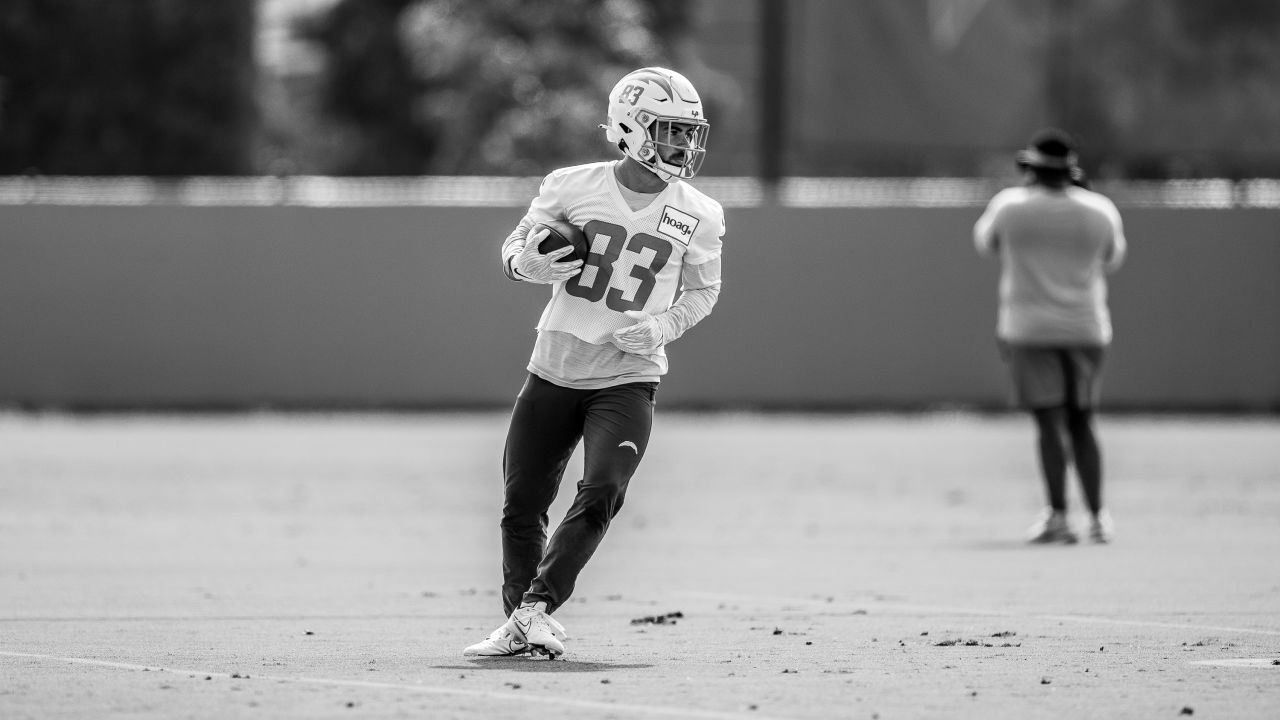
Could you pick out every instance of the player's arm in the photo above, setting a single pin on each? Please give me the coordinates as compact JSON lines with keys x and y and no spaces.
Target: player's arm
{"x":514,"y":245}
{"x":520,"y":257}
{"x":986,"y":236}
{"x":701,"y":285}
{"x":1119,"y":246}
{"x":530,"y":264}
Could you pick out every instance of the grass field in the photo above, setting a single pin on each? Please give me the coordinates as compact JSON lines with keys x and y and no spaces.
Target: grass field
{"x":275,"y":566}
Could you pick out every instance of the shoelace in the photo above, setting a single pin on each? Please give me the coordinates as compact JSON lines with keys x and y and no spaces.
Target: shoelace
{"x":541,"y":622}
{"x":504,"y":633}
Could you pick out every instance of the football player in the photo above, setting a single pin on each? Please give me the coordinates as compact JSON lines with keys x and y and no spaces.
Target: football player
{"x":1057,"y":241}
{"x":652,"y":272}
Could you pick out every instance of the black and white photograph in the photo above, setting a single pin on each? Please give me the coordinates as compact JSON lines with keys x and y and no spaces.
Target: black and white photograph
{"x":639,"y":359}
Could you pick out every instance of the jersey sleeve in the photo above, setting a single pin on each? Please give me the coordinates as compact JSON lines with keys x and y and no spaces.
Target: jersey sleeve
{"x":550,"y":201}
{"x":547,"y":205}
{"x":1119,"y":246}
{"x":703,"y":275}
{"x":709,"y":240}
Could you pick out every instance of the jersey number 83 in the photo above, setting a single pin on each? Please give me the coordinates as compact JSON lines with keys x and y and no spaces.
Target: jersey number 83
{"x":599,"y":286}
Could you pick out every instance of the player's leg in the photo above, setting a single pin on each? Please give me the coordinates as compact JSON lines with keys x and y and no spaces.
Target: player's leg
{"x":1052,"y":525}
{"x":615,"y":436}
{"x":546,"y":425}
{"x":545,"y":428}
{"x":1039,"y":387}
{"x":1084,"y":380}
{"x":1088,"y":457}
{"x":1052,"y":453}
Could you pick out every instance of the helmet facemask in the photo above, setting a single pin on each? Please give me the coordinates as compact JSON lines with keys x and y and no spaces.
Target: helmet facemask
{"x":675,"y":146}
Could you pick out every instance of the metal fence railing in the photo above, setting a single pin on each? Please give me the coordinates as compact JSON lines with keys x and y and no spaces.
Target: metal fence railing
{"x":475,"y":191}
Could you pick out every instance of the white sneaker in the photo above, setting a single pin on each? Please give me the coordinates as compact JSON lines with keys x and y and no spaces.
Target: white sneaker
{"x":542,"y":634}
{"x":1051,"y":527}
{"x":506,"y":641}
{"x":1102,"y":528}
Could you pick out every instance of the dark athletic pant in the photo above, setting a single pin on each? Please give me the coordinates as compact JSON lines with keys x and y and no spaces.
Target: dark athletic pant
{"x":546,"y":425}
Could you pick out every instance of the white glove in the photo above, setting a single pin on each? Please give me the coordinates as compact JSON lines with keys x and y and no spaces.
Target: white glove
{"x":642,"y":338}
{"x":533,"y":266}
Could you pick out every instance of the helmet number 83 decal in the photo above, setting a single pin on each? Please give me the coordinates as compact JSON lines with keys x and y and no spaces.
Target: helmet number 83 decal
{"x":631,"y":94}
{"x":598,"y":286}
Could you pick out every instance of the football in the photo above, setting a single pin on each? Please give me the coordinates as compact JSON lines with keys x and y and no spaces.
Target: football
{"x":563,"y":233}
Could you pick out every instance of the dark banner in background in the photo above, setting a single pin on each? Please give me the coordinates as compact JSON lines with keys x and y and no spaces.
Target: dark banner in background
{"x":837,"y":308}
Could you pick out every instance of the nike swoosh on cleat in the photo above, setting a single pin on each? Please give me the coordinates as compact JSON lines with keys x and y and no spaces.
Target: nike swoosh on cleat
{"x":628,"y":443}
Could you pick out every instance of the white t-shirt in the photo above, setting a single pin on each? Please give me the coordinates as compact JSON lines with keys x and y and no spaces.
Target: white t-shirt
{"x":1056,"y":247}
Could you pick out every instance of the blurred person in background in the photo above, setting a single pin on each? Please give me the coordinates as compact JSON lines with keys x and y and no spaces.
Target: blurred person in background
{"x":652,"y":272}
{"x":1056,"y":241}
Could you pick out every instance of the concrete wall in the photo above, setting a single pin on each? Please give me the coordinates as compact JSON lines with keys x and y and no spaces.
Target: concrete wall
{"x":405,"y":307}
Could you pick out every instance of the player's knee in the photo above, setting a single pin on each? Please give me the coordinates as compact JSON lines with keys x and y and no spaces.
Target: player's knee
{"x":1048,"y":420}
{"x":1079,"y":421}
{"x":1077,"y":414}
{"x":521,"y":520}
{"x":602,"y":500}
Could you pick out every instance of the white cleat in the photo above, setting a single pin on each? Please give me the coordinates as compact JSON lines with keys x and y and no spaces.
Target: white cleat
{"x":1051,"y":527}
{"x":1102,"y":528}
{"x":542,"y":635}
{"x":506,"y":641}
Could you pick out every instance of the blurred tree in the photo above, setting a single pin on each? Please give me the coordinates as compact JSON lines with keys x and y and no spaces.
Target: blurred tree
{"x":1171,"y":88}
{"x":485,"y":86}
{"x":1157,"y":88}
{"x":151,"y":87}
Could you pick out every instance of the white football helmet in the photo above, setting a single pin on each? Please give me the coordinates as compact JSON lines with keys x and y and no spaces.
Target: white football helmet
{"x":643,"y":107}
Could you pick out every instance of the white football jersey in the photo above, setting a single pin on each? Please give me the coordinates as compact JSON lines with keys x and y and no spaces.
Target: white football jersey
{"x":636,"y":257}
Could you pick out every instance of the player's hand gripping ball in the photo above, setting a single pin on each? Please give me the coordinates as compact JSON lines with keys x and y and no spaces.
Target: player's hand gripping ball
{"x":548,"y":251}
{"x":562,"y":234}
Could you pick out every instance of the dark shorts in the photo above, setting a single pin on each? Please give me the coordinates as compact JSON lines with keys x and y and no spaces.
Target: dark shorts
{"x":1046,"y":376}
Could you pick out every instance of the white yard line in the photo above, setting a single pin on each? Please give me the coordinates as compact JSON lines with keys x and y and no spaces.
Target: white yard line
{"x":521,"y":698}
{"x":1152,"y":623}
{"x":1268,"y":663}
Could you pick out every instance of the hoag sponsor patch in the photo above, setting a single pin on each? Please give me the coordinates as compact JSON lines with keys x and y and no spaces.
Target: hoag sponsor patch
{"x":677,"y":224}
